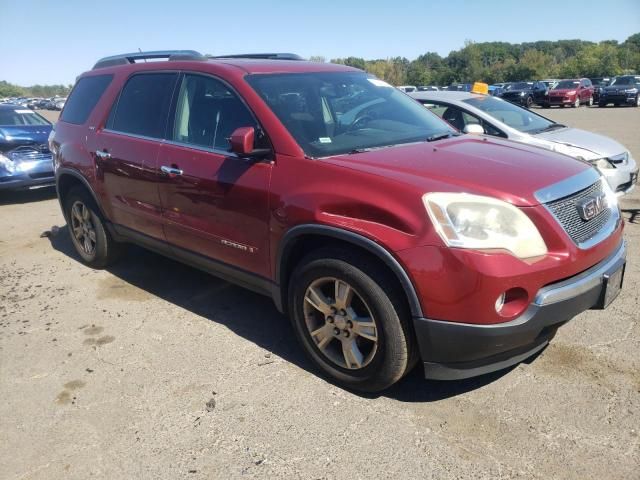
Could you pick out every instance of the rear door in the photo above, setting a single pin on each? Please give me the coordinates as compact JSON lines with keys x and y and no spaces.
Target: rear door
{"x":215,"y":204}
{"x":127,"y":149}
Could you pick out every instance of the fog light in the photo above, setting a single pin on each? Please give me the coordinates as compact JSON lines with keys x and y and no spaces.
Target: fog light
{"x":500,"y":303}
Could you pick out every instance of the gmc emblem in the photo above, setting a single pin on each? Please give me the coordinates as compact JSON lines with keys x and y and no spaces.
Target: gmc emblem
{"x":591,"y":207}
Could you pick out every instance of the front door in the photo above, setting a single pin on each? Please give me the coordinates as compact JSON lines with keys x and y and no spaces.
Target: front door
{"x":214,"y":203}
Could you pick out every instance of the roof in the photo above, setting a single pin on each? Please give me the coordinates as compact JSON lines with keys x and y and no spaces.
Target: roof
{"x":282,"y":66}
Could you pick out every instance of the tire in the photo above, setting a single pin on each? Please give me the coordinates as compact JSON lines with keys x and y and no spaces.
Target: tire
{"x":529,"y":102}
{"x":89,"y":236}
{"x":387,"y":352}
{"x":576,"y":104}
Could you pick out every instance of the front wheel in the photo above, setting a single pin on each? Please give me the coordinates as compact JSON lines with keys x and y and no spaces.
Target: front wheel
{"x":529,"y":102}
{"x":90,"y":238}
{"x":351,"y":321}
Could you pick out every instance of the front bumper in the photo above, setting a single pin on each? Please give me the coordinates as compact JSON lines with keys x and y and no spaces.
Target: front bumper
{"x":21,"y":182}
{"x":618,"y":99}
{"x":453,"y":350}
{"x":561,"y":101}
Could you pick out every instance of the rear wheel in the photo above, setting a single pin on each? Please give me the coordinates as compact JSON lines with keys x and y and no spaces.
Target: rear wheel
{"x":351,"y":321}
{"x":576,"y":104}
{"x":90,"y":238}
{"x":590,"y":102}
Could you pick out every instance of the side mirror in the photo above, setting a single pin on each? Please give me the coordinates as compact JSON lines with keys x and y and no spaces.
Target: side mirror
{"x":241,"y":141}
{"x":474,"y":128}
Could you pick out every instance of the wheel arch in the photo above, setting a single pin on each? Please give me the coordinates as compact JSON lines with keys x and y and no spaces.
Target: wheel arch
{"x":66,"y":179}
{"x":292,"y":249}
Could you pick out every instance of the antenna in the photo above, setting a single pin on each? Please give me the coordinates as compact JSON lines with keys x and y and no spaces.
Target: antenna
{"x":140,"y":50}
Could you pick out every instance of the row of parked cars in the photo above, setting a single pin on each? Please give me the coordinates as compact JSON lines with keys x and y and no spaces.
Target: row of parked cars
{"x":621,"y":90}
{"x":391,"y":234}
{"x":36,"y":103}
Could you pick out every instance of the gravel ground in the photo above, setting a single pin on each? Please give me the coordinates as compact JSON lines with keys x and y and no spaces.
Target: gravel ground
{"x":154,"y":370}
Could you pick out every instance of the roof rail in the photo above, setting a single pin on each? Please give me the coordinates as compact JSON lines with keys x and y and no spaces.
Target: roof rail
{"x":127,"y":58}
{"x":263,"y":56}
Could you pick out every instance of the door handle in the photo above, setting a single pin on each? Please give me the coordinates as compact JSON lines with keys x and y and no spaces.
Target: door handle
{"x":171,"y":171}
{"x":103,"y":154}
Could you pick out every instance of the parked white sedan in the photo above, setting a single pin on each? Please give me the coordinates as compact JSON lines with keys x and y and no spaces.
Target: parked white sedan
{"x":477,"y":113}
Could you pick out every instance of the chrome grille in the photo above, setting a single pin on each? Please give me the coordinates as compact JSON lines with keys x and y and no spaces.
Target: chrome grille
{"x":566,"y":212}
{"x":30,"y":153}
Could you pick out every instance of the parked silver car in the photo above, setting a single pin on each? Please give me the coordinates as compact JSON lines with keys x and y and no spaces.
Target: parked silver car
{"x":476,"y":113}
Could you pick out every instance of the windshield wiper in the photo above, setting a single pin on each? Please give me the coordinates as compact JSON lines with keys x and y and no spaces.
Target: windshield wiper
{"x":553,"y":126}
{"x":440,"y":136}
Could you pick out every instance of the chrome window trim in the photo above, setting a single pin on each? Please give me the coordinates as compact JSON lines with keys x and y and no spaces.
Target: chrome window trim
{"x":175,"y":143}
{"x":581,"y":283}
{"x":568,"y":186}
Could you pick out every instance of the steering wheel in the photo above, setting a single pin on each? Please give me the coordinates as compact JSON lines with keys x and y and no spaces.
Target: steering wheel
{"x":360,"y":121}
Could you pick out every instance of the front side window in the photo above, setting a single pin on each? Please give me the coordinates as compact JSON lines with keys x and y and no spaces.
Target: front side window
{"x":521,"y":119}
{"x":84,"y":97}
{"x":143,"y":105}
{"x":12,"y":117}
{"x":341,"y":112}
{"x":207,"y":113}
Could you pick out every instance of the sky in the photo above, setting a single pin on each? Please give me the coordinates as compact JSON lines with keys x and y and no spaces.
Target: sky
{"x":51,"y":42}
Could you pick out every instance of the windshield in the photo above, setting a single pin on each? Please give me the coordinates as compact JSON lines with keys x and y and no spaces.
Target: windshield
{"x":342,"y":112}
{"x":565,"y":84}
{"x":520,"y":86}
{"x":514,"y":116}
{"x":625,"y":80}
{"x":10,"y":117}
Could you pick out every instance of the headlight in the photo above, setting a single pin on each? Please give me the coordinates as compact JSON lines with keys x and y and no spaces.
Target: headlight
{"x":602,"y":164}
{"x":7,"y":164}
{"x":483,"y":223}
{"x":522,"y":94}
{"x":621,"y":158}
{"x":631,"y":90}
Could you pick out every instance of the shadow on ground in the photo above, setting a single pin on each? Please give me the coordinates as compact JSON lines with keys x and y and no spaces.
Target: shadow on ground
{"x":10,"y":197}
{"x":248,"y":314}
{"x":633,"y":213}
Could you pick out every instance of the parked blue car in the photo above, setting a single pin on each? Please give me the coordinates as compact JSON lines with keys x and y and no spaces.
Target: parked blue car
{"x":25,"y":159}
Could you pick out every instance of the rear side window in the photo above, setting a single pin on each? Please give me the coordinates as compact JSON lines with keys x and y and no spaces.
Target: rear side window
{"x":144,"y":105}
{"x":84,"y":98}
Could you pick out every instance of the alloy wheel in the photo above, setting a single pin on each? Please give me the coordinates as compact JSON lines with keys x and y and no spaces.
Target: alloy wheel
{"x":82,"y":227}
{"x":340,"y":323}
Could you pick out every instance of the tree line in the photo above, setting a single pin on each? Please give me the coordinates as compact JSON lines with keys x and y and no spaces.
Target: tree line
{"x":10,"y":90}
{"x":493,"y":62}
{"x":489,"y":62}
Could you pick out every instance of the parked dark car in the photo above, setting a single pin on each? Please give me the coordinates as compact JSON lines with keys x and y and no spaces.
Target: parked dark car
{"x":525,"y":93}
{"x":25,"y":159}
{"x":386,"y":235}
{"x":624,"y":90}
{"x":598,"y":84}
{"x":570,"y":92}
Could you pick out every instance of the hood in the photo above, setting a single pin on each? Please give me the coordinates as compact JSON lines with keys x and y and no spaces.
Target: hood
{"x":516,"y":92}
{"x":507,"y":170}
{"x":11,"y":136}
{"x":562,"y":91}
{"x":618,"y":88}
{"x":583,"y":144}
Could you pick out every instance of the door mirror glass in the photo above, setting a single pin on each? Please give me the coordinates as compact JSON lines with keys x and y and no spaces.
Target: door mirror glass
{"x":474,"y":128}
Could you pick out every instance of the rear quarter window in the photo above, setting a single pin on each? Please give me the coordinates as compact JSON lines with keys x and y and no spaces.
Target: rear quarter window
{"x":84,"y":98}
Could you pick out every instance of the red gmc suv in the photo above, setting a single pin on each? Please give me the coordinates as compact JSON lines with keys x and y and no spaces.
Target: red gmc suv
{"x":387,"y":236}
